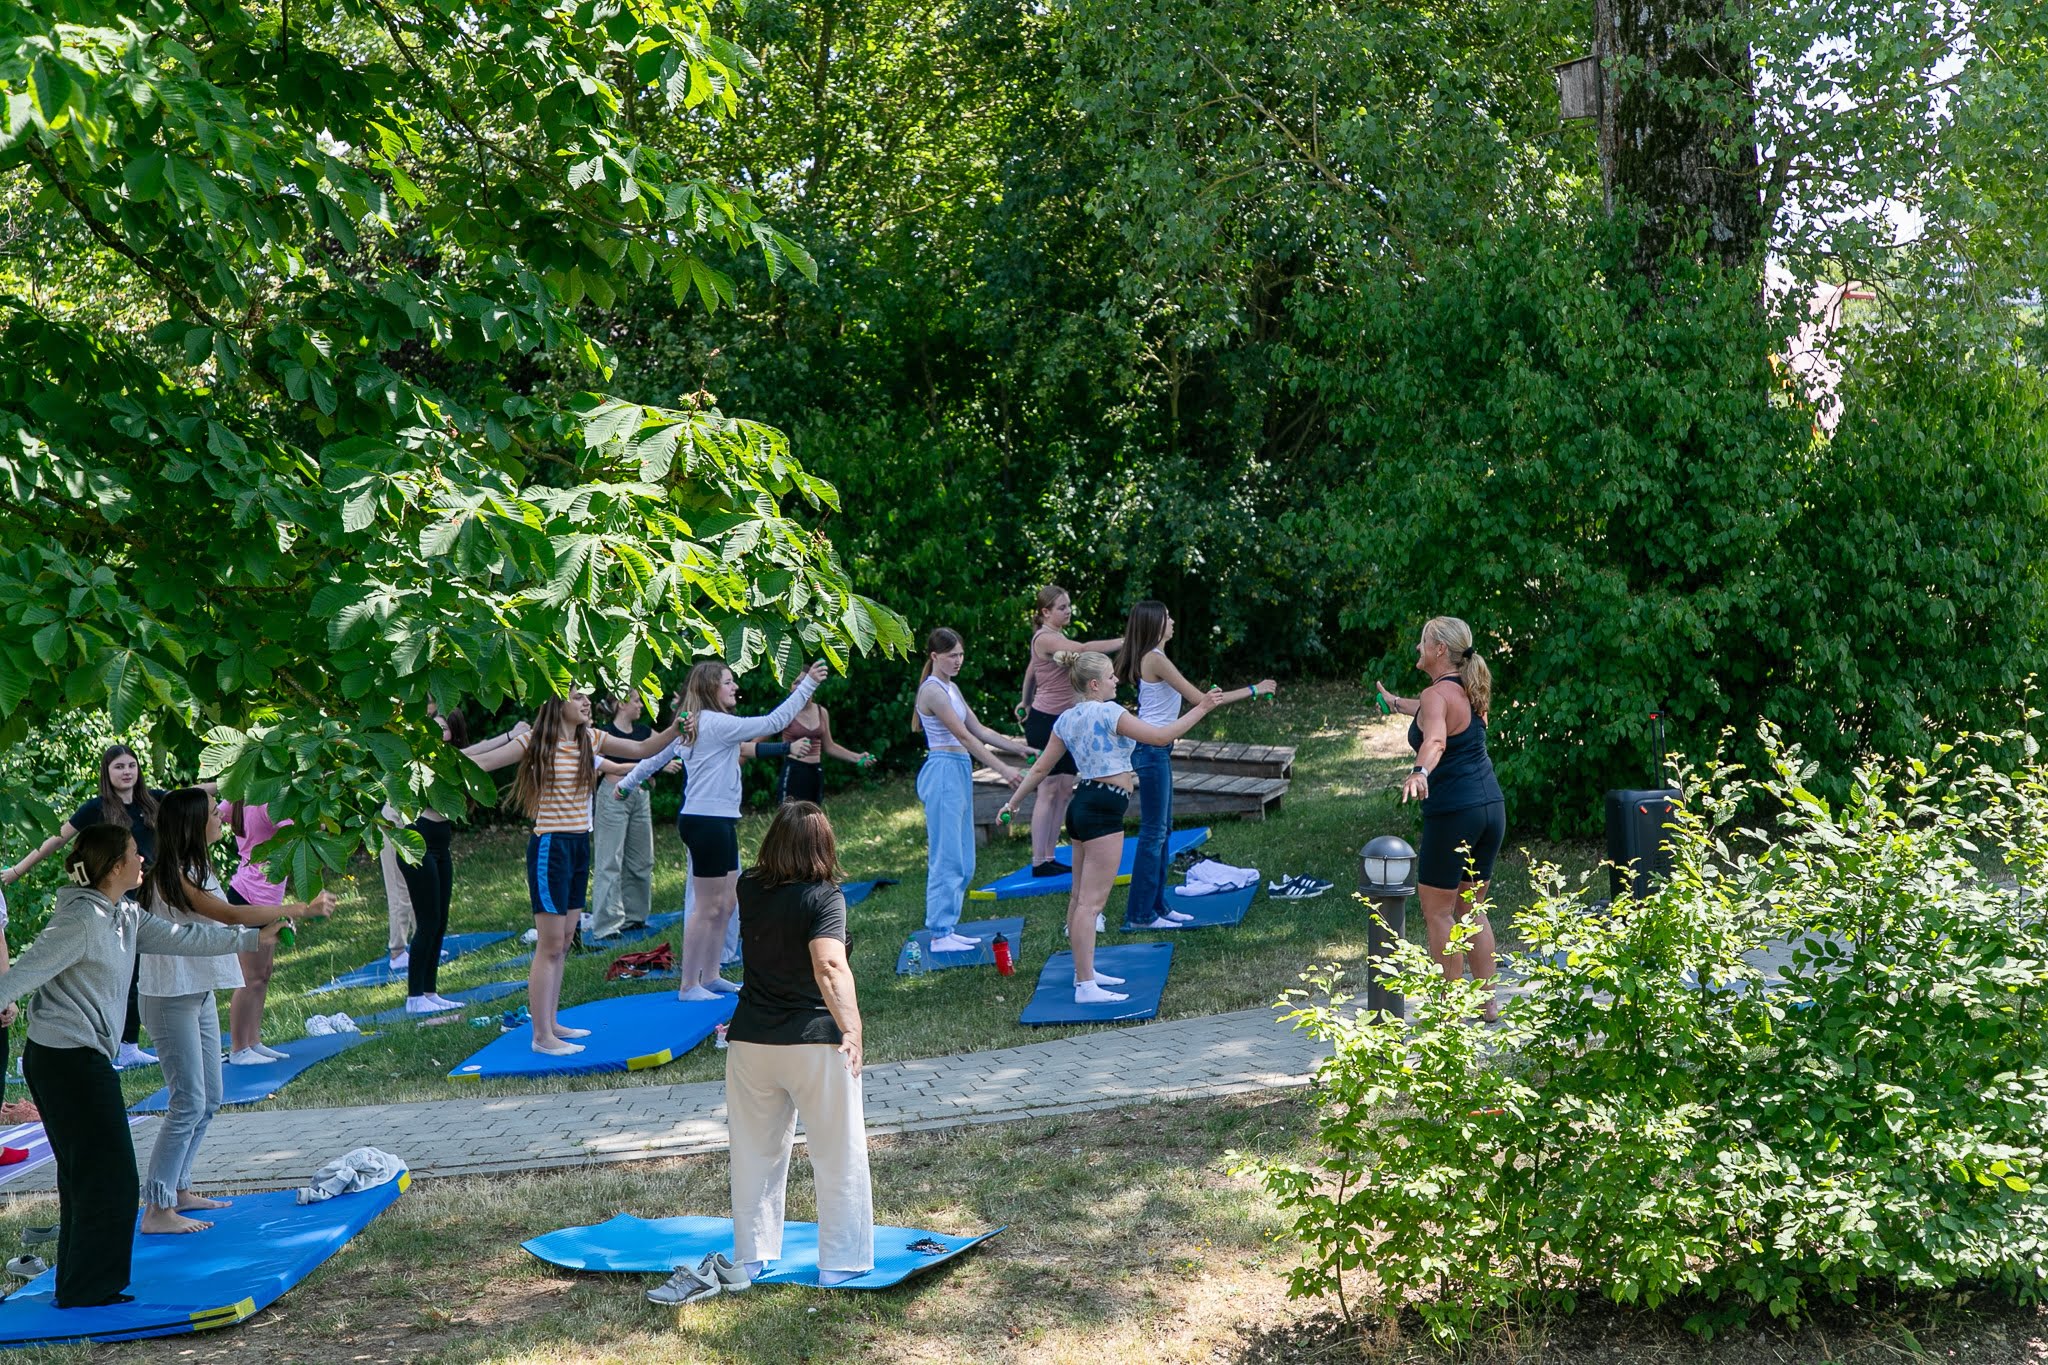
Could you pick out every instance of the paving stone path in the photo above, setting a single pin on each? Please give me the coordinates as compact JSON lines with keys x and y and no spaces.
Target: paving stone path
{"x":1220,"y":1054}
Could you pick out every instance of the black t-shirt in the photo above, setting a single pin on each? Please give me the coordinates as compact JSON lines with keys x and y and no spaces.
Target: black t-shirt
{"x":780,"y":1001}
{"x":93,"y":813}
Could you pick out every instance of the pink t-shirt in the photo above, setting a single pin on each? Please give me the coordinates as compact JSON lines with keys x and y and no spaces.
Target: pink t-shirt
{"x":249,"y":882}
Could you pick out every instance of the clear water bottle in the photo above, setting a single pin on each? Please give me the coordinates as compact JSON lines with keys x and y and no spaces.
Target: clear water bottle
{"x":917,"y":963}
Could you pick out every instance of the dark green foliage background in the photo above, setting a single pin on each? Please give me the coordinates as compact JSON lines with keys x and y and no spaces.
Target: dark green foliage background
{"x":1308,"y":322}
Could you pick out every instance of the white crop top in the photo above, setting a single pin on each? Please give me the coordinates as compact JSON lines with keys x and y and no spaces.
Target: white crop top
{"x":936,"y":735}
{"x":1158,"y":702}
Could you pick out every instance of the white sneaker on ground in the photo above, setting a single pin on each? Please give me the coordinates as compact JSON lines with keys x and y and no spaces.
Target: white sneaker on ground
{"x":132,"y":1056}
{"x":688,"y":1285}
{"x":530,"y":936}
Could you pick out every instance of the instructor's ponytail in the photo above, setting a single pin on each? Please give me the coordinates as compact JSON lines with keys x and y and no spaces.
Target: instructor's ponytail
{"x":1456,"y":637}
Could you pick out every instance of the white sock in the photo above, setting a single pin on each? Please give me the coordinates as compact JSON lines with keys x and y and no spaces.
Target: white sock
{"x":828,"y":1278}
{"x":558,"y":1049}
{"x":1088,"y":993}
{"x":722,"y":986}
{"x":1103,"y":978}
{"x":272,"y":1053}
{"x":248,"y":1056}
{"x":955,"y":943}
{"x":698,"y":993}
{"x":753,"y":1268}
{"x":564,"y":1031}
{"x":1179,"y":916}
{"x":426,"y":1004}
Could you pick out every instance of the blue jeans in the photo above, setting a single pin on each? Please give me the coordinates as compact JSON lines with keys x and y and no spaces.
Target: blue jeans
{"x":1153,"y":763}
{"x":946,"y":786}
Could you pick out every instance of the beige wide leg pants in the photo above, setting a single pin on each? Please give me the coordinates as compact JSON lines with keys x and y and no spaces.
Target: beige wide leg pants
{"x":766,"y":1087}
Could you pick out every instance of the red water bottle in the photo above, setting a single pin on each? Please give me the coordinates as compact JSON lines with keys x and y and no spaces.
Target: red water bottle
{"x":1004,"y":964}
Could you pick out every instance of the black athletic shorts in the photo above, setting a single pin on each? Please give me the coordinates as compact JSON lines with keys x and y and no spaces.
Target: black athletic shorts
{"x":1098,"y":809}
{"x":713,"y":841}
{"x":800,"y":782}
{"x":1038,"y":733}
{"x":1460,"y":846}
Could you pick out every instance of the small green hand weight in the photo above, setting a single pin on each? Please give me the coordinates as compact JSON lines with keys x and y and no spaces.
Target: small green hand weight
{"x":1005,"y":816}
{"x":1385,"y":709}
{"x":286,"y":934}
{"x":866,"y":761}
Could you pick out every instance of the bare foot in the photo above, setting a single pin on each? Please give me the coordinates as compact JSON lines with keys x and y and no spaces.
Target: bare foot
{"x":170,"y":1220}
{"x":188,"y":1201}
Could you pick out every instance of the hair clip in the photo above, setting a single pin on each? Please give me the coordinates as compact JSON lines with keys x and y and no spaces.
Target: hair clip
{"x":77,"y":873}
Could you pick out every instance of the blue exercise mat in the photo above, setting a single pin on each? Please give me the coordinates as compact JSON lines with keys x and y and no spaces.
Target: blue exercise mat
{"x":647,"y":1246}
{"x":856,"y":892}
{"x":1022,"y":883}
{"x":474,"y":995}
{"x":1143,"y":966}
{"x":381,"y":972}
{"x":1217,"y":910}
{"x":253,"y":1084}
{"x":259,"y":1247}
{"x":627,"y":1033}
{"x":657,"y":926}
{"x":982,"y":955}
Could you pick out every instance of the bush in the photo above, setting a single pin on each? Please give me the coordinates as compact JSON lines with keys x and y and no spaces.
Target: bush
{"x":1655,"y":1121}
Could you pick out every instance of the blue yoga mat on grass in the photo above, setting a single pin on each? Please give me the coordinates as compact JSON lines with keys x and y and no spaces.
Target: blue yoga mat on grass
{"x":474,"y":995}
{"x":627,"y":1033}
{"x":1143,"y":966}
{"x":657,"y":926}
{"x":856,"y":892}
{"x":1022,"y":883}
{"x":251,"y":1084}
{"x":982,"y":955}
{"x":259,"y":1247}
{"x":381,"y":973}
{"x":629,"y":1245}
{"x":1216,"y":910}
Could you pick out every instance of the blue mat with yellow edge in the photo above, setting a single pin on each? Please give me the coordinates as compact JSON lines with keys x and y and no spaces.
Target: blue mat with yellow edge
{"x":627,"y":1033}
{"x":629,"y":1245}
{"x":1014,"y":885}
{"x":258,"y":1248}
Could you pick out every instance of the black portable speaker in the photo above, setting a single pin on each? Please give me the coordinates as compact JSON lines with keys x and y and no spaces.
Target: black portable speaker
{"x":1636,"y":839}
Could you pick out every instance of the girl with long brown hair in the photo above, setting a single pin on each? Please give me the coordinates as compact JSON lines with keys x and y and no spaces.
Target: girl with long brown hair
{"x":559,"y":762}
{"x":946,"y":785}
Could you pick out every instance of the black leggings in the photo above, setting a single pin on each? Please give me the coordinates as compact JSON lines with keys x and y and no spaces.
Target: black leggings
{"x":131,"y":1026}
{"x":97,"y":1190}
{"x":432,"y":887}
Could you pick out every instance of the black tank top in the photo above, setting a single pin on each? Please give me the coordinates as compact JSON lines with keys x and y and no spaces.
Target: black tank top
{"x":1464,"y":776}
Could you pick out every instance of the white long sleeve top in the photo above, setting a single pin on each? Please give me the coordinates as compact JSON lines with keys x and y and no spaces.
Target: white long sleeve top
{"x":711,"y":768}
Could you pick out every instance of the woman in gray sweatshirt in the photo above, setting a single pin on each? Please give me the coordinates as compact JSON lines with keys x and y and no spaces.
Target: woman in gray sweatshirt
{"x":79,"y":968}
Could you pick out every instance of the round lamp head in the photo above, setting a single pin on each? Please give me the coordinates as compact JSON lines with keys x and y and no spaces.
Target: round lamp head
{"x":1387,"y":864}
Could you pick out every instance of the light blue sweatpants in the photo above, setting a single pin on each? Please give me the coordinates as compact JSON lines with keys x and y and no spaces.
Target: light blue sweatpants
{"x":946,"y":786}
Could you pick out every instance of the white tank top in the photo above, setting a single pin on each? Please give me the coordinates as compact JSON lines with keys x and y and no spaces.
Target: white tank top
{"x":936,"y":735}
{"x":1158,"y":702}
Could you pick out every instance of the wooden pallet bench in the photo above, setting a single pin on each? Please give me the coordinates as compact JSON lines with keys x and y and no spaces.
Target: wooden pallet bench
{"x":1210,"y":779}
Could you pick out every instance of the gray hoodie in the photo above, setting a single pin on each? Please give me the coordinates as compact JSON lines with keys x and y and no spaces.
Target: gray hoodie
{"x":85,"y":956}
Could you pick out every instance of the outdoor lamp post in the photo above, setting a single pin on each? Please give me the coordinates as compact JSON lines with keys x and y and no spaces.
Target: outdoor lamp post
{"x":1386,"y":877}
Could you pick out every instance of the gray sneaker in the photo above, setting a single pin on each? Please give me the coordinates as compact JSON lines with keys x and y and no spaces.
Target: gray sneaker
{"x":687,"y":1285}
{"x":732,"y":1279}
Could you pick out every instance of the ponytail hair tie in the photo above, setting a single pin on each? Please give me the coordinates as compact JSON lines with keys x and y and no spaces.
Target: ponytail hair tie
{"x":1469,"y":652}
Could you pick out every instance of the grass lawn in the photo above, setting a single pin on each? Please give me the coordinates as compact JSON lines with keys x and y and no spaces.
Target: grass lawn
{"x":1129,"y":1239}
{"x":1346,"y":789}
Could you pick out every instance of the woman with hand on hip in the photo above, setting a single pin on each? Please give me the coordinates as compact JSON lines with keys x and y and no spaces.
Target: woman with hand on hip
{"x":946,"y":786}
{"x":1142,"y":663}
{"x":1047,"y":695}
{"x":177,"y":999}
{"x":794,"y":1051}
{"x":1099,"y":735}
{"x":1464,"y":816}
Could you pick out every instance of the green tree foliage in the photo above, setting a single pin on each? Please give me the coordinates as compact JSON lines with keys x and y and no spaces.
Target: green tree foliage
{"x":332,"y":435}
{"x":1308,"y":320}
{"x":1657,"y":1120}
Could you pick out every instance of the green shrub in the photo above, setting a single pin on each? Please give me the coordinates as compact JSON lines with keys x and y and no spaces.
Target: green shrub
{"x":1873,"y":1118}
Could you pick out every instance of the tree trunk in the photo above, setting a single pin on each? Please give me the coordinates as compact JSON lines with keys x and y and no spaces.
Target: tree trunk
{"x":1678,"y":121}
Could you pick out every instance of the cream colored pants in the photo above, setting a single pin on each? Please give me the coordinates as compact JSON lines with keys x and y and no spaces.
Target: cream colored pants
{"x":766,"y":1087}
